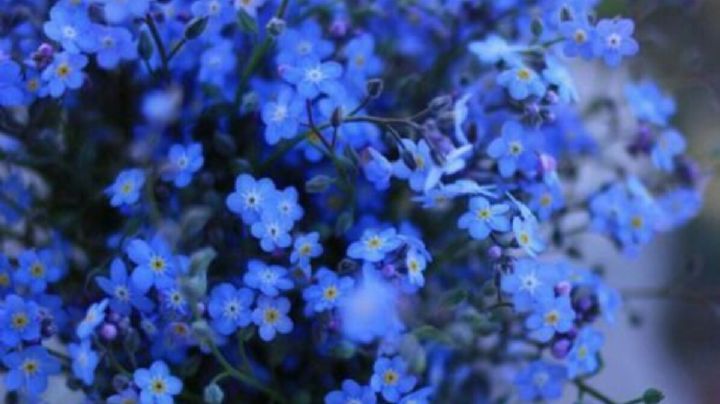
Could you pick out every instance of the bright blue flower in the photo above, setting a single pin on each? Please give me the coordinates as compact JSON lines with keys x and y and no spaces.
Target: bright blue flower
{"x":495,"y":49}
{"x":84,"y":361}
{"x":351,"y":393}
{"x":250,"y":197}
{"x":36,"y":270}
{"x":295,"y":45}
{"x":545,"y":199}
{"x":93,"y":317}
{"x":378,"y":170}
{"x":19,"y":321}
{"x":522,"y":82}
{"x":219,"y":13}
{"x":328,"y":291}
{"x":116,"y":11}
{"x":115,"y":44}
{"x":391,"y":379}
{"x":613,"y":40}
{"x":216,"y":62}
{"x":126,"y":396}
{"x":272,"y":231}
{"x":155,"y":265}
{"x":126,"y":188}
{"x":550,"y":316}
{"x":28,"y":370}
{"x":229,"y":308}
{"x":541,"y":380}
{"x":648,"y":103}
{"x":305,"y":247}
{"x":157,"y":385}
{"x":313,"y":77}
{"x":668,"y":145}
{"x":284,"y":205}
{"x":361,"y":60}
{"x":483,"y":218}
{"x":65,"y":72}
{"x":422,"y":161}
{"x":123,"y":294}
{"x":529,"y":283}
{"x":374,"y":245}
{"x":72,"y":29}
{"x":172,"y":298}
{"x":678,"y":207}
{"x":16,"y":198}
{"x":415,"y":263}
{"x":11,"y":84}
{"x":282,"y":116}
{"x":270,"y":316}
{"x":559,"y":78}
{"x":513,"y":150}
{"x":528,"y":235}
{"x":579,"y":38}
{"x":583,"y":358}
{"x":268,"y":279}
{"x":182,"y":163}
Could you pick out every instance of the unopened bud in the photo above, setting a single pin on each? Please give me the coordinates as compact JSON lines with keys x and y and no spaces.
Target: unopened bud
{"x":276,"y":26}
{"x":374,"y":87}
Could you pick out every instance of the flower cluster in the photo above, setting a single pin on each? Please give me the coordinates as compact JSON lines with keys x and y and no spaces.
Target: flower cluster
{"x":370,"y":201}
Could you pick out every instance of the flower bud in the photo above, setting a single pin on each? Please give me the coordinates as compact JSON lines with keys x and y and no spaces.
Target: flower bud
{"x":561,"y":348}
{"x":108,"y":331}
{"x":495,"y":252}
{"x":276,"y":26}
{"x":563,"y":288}
{"x":374,"y":87}
{"x":440,"y":103}
{"x":653,"y":396}
{"x":195,"y":28}
{"x":213,"y":394}
{"x":318,"y":184}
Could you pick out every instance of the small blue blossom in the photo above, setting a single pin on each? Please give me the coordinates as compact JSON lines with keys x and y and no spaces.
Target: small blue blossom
{"x":93,"y":317}
{"x":268,"y":279}
{"x":529,"y":283}
{"x":313,"y":77}
{"x":123,"y":294}
{"x":483,"y":218}
{"x":11,"y":84}
{"x":216,"y":63}
{"x":613,"y":40}
{"x":72,"y":29}
{"x":579,"y":38}
{"x":351,"y":392}
{"x":513,"y":150}
{"x":527,"y":234}
{"x":272,"y":231}
{"x":115,"y":44}
{"x":549,"y":317}
{"x":374,"y":245}
{"x":495,"y":49}
{"x":422,"y":162}
{"x":36,"y":270}
{"x":117,"y":11}
{"x":307,"y":42}
{"x":305,"y":247}
{"x":583,"y":358}
{"x":415,"y":263}
{"x":126,"y":188}
{"x":648,"y":102}
{"x":391,"y":379}
{"x":19,"y":321}
{"x":541,"y":380}
{"x":183,"y":162}
{"x":84,"y":361}
{"x":157,"y":385}
{"x":229,"y":308}
{"x":545,"y":199}
{"x":378,"y":170}
{"x":668,"y":145}
{"x":282,"y":116}
{"x":28,"y":370}
{"x":522,"y":82}
{"x":65,"y":72}
{"x":328,"y":291}
{"x":250,"y":197}
{"x":284,"y":205}
{"x":155,"y":265}
{"x":270,"y":316}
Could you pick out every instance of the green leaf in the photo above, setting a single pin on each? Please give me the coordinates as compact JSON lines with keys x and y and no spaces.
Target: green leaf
{"x":430,"y":333}
{"x":247,"y":23}
{"x":454,"y":297}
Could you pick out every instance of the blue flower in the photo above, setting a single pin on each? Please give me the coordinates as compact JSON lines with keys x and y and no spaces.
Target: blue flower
{"x":84,"y":361}
{"x":378,"y":170}
{"x":19,"y":321}
{"x":374,"y":245}
{"x":183,"y":162}
{"x":529,"y":283}
{"x":528,"y":235}
{"x":613,"y":40}
{"x":269,"y":279}
{"x":483,"y":218}
{"x":541,"y":381}
{"x":11,"y":84}
{"x":36,"y":270}
{"x":391,"y":379}
{"x":558,"y":77}
{"x":494,"y":49}
{"x":270,"y":316}
{"x":522,"y":82}
{"x":313,"y":77}
{"x":579,"y":37}
{"x":415,"y":263}
{"x":668,"y":145}
{"x":155,"y":265}
{"x":117,"y":11}
{"x":282,"y":116}
{"x":648,"y":103}
{"x":583,"y":358}
{"x":422,"y":161}
{"x":114,"y":45}
{"x":72,"y":29}
{"x":284,"y":205}
{"x":219,"y":14}
{"x":513,"y":150}
{"x":328,"y":290}
{"x":216,"y":62}
{"x":250,"y":197}
{"x":549,"y":317}
{"x":157,"y":385}
{"x":273,"y":231}
{"x":93,"y":317}
{"x":351,"y":393}
{"x":305,"y":247}
{"x":65,"y":72}
{"x":123,"y":294}
{"x":229,"y":308}
{"x":28,"y":370}
{"x":126,"y":188}
{"x":545,"y":199}
{"x":307,"y":42}
{"x":361,"y":60}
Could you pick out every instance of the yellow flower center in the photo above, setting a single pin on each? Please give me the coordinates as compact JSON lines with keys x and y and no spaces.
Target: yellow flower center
{"x":330,"y":293}
{"x":63,"y":70}
{"x":271,"y":316}
{"x":158,"y":386}
{"x":552,"y":318}
{"x":523,"y":74}
{"x":30,"y":367}
{"x":37,"y":270}
{"x":390,"y":377}
{"x":19,"y":321}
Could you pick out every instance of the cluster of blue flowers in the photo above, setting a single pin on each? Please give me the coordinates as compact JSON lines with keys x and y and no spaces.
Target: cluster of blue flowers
{"x":355,"y":202}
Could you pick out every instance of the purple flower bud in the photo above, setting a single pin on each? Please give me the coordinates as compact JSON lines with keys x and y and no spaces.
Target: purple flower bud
{"x":547,"y":163}
{"x":495,"y":252}
{"x":561,"y":348}
{"x":200,"y":307}
{"x":563,"y":288}
{"x":389,"y":270}
{"x":114,"y":317}
{"x":642,"y":143}
{"x":339,"y":27}
{"x":108,"y":331}
{"x":552,"y":97}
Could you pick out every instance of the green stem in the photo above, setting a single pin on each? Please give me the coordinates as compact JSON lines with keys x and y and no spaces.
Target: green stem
{"x":176,"y":49}
{"x":158,"y":41}
{"x":585,"y":388}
